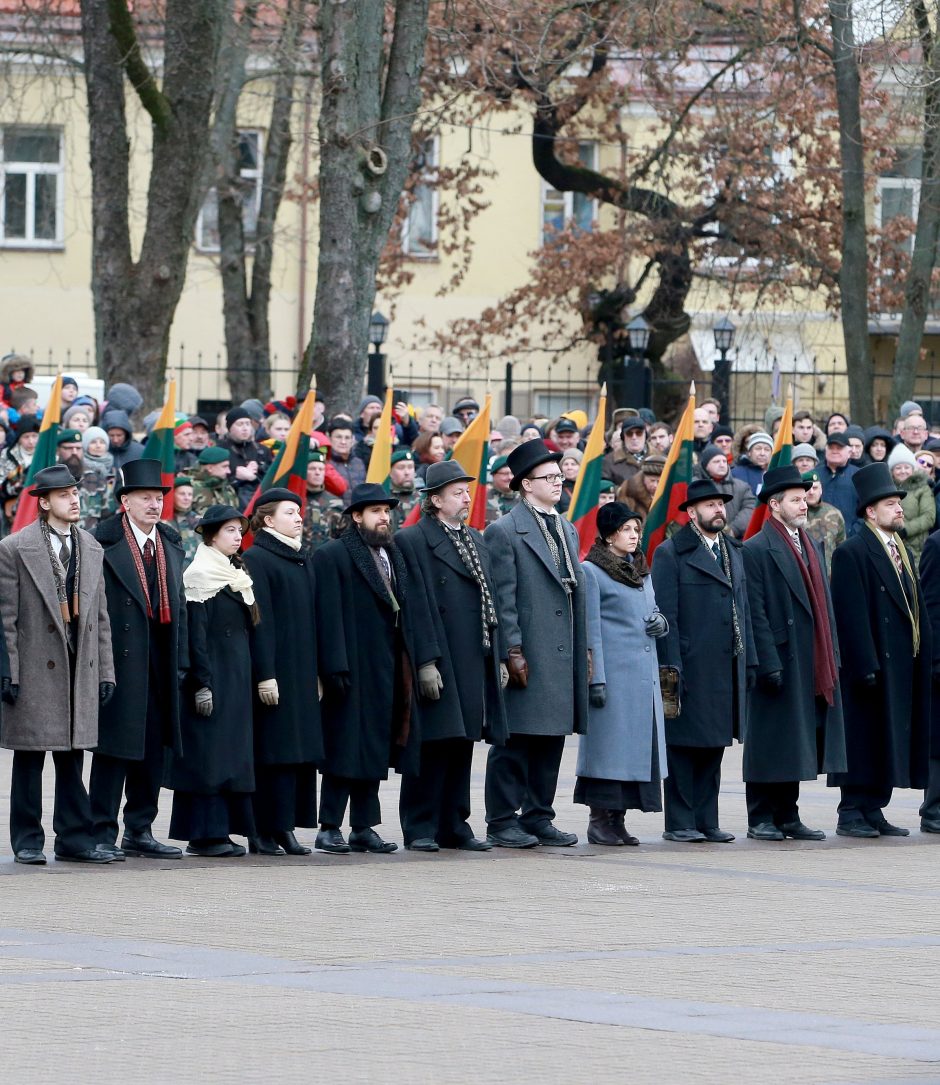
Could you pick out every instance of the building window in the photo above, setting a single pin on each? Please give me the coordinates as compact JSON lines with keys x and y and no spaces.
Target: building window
{"x":898,"y":198}
{"x":32,"y":190}
{"x":250,"y":169}
{"x":555,"y":404}
{"x":561,"y":209}
{"x":419,"y":231}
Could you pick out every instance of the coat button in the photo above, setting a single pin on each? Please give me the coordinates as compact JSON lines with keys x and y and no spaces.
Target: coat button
{"x":789,"y":621}
{"x":127,"y":602}
{"x":882,"y":587}
{"x":51,"y":665}
{"x":561,"y":647}
{"x":52,"y":627}
{"x":887,"y":655}
{"x":646,"y":648}
{"x":558,"y":613}
{"x":228,"y":632}
{"x":127,"y":628}
{"x":126,"y":652}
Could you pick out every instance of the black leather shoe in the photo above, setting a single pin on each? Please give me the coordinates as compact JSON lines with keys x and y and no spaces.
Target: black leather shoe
{"x":859,"y":829}
{"x":264,"y":845}
{"x":473,"y":843}
{"x":144,"y":846}
{"x":333,"y":841}
{"x":117,"y":856}
{"x":423,"y":843}
{"x":215,"y":849}
{"x":930,"y":825}
{"x":291,"y":844}
{"x":32,"y":856}
{"x":684,"y":836}
{"x":796,"y":830}
{"x":550,"y":837}
{"x":89,"y":855}
{"x":512,"y":836}
{"x":878,"y":821}
{"x":717,"y":836}
{"x":369,"y":840}
{"x":766,"y":830}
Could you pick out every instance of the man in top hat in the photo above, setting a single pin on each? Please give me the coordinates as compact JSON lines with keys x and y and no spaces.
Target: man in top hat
{"x":540,"y":597}
{"x":452,"y":564}
{"x":794,"y":725}
{"x":401,"y":478}
{"x":57,"y":668}
{"x":884,"y":637}
{"x":701,"y":588}
{"x":379,"y":649}
{"x":143,"y":572}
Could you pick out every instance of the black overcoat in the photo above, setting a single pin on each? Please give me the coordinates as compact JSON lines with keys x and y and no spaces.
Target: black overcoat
{"x":471,"y":703}
{"x":780,"y":741}
{"x":693,"y":593}
{"x":285,"y":648}
{"x":376,"y":724}
{"x":886,"y":727}
{"x":930,"y":586}
{"x":217,"y":748}
{"x":122,"y":722}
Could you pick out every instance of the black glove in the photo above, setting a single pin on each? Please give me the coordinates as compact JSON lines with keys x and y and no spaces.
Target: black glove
{"x":773,"y":682}
{"x":598,"y":695}
{"x":8,"y":691}
{"x":870,"y":680}
{"x":105,"y":692}
{"x":340,"y":683}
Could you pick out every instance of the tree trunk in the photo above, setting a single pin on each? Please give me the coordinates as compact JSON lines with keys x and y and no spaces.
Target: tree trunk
{"x":369,"y":102}
{"x":853,"y":276}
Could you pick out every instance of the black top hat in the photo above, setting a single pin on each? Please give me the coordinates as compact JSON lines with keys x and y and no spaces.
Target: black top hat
{"x":276,"y":494}
{"x":702,"y":489}
{"x":52,"y":478}
{"x":524,"y":459}
{"x":612,"y":516}
{"x":221,"y":514}
{"x":873,"y":483}
{"x":139,"y":475}
{"x":779,"y":479}
{"x":440,"y":474}
{"x":369,"y":493}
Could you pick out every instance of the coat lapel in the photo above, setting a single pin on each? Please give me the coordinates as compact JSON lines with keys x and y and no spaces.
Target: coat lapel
{"x":886,"y":571}
{"x":35,"y":558}
{"x":524,"y":521}
{"x":785,"y":561}
{"x":443,"y":548}
{"x":119,"y":557}
{"x":702,"y":560}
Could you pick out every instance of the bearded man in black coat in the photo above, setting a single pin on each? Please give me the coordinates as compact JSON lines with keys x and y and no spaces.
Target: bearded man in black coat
{"x":930,"y":584}
{"x":884,"y":636}
{"x":461,"y":700}
{"x":376,"y":644}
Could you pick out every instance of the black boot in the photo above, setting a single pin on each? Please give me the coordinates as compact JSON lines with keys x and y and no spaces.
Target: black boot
{"x":616,"y":819}
{"x":290,"y":843}
{"x":601,"y":829}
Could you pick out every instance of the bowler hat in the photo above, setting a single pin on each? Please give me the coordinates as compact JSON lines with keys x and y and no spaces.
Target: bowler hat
{"x":874,"y":483}
{"x":779,"y":479}
{"x":277,"y":494}
{"x":703,"y":489}
{"x":221,"y":514}
{"x":369,"y":493}
{"x":144,"y":474}
{"x":526,"y":457}
{"x":443,"y":473}
{"x":52,"y":478}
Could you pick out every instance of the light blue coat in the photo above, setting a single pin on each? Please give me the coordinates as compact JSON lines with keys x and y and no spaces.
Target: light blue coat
{"x":619,"y":739}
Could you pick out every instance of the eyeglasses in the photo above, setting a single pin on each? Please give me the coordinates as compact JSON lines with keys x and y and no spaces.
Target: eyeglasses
{"x":552,"y":480}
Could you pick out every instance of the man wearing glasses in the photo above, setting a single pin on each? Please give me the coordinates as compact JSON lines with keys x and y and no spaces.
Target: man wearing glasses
{"x":540,"y":598}
{"x":913,"y":432}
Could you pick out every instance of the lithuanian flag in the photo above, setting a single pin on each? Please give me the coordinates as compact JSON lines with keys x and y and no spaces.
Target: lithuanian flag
{"x":782,"y":456}
{"x":380,"y":462}
{"x":673,"y":483}
{"x":289,"y":468}
{"x":160,"y":446}
{"x":44,"y":455}
{"x":582,"y":511}
{"x":472,"y":452}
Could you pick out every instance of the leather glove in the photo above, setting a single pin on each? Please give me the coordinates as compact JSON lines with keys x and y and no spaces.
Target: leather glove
{"x":267,"y":691}
{"x":870,"y":680}
{"x":319,"y":688}
{"x":772,"y":682}
{"x":430,"y":682}
{"x":340,"y":683}
{"x":9,"y":691}
{"x":597,"y":694}
{"x":105,"y":692}
{"x":503,"y":675}
{"x":656,"y":624}
{"x":518,"y":668}
{"x":203,"y":699}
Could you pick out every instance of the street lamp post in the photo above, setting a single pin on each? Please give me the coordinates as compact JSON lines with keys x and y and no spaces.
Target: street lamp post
{"x":378,"y":333}
{"x":635,"y":380}
{"x":721,"y":384}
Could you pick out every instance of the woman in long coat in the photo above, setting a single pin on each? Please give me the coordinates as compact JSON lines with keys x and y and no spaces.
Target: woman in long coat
{"x":288,"y":732}
{"x":621,"y":758}
{"x":214,"y":777}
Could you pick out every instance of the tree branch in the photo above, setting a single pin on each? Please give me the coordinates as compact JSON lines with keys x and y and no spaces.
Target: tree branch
{"x":121,"y":25}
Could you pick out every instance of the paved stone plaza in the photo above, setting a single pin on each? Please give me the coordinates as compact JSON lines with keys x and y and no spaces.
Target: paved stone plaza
{"x":750,"y":963}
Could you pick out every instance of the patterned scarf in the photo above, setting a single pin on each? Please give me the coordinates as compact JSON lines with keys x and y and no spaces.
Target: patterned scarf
{"x":726,"y":566}
{"x":59,"y":574}
{"x":469,"y":555}
{"x":569,"y":579}
{"x":142,"y":574}
{"x":913,"y":611}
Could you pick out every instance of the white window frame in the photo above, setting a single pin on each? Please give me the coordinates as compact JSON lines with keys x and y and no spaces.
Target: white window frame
{"x":255,"y":174}
{"x":546,"y":193}
{"x":432,"y":159}
{"x":32,"y":170}
{"x":901,"y":184}
{"x":574,"y":399}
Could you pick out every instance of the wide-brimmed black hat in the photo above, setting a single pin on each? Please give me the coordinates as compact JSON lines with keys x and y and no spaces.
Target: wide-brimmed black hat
{"x":443,"y":473}
{"x":277,"y":494}
{"x":874,"y":483}
{"x":524,"y":459}
{"x":139,"y":475}
{"x":369,"y":493}
{"x":221,"y":514}
{"x":52,"y":478}
{"x":612,"y":516}
{"x":779,"y":479}
{"x":702,"y":489}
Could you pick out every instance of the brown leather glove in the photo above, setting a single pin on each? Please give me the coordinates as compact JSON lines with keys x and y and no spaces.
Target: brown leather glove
{"x":518,"y":668}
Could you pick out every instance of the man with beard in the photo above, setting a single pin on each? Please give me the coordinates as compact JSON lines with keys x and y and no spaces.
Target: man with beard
{"x":884,"y":636}
{"x":701,"y":588}
{"x":401,"y":477}
{"x":379,"y":648}
{"x":794,"y":727}
{"x":463,"y":703}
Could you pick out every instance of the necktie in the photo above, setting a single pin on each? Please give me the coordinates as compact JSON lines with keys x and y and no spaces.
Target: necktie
{"x":64,"y":550}
{"x":716,"y":552}
{"x":896,"y":554}
{"x":797,"y":544}
{"x":148,"y":553}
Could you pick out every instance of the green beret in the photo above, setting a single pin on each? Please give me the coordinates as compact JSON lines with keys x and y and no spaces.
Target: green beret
{"x":68,"y":435}
{"x":811,"y":476}
{"x":403,"y":455}
{"x":606,"y":486}
{"x":316,"y":456}
{"x":498,"y":464}
{"x":213,"y":455}
{"x":182,"y":480}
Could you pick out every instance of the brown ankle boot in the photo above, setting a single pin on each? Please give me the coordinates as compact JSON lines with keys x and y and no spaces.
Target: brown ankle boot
{"x":616,"y":820}
{"x":601,"y":829}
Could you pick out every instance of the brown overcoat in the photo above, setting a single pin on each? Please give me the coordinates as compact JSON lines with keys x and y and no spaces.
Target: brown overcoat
{"x":52,"y":713}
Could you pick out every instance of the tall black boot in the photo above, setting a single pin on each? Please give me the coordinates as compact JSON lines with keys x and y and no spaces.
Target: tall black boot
{"x":601,"y":829}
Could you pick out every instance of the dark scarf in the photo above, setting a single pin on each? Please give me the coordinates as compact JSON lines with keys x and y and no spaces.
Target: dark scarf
{"x":622,"y":570}
{"x":365,"y":560}
{"x":467,"y":551}
{"x":163,"y":594}
{"x":824,"y":658}
{"x":60,"y":575}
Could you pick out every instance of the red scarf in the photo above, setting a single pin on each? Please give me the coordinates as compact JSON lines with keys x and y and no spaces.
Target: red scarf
{"x":141,"y":572}
{"x":824,"y":658}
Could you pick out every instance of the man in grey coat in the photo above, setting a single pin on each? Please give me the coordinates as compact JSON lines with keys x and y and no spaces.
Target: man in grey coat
{"x":58,"y":639}
{"x":541,"y":600}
